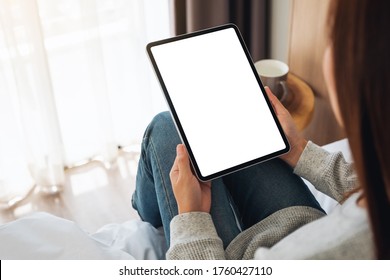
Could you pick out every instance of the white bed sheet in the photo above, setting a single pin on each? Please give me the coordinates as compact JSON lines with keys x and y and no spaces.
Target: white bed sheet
{"x":44,"y":236}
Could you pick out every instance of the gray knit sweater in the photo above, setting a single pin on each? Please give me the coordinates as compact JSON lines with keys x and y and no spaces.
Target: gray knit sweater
{"x":296,"y":232}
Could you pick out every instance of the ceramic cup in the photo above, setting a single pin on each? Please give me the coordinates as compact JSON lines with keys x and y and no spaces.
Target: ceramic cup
{"x":273,"y":73}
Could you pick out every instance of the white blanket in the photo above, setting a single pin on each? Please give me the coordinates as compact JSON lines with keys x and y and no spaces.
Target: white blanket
{"x":44,"y":236}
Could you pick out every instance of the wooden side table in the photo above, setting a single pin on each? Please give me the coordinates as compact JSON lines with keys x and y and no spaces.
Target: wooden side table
{"x":300,"y":101}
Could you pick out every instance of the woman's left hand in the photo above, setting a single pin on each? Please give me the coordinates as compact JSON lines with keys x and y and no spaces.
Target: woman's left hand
{"x":191,"y":194}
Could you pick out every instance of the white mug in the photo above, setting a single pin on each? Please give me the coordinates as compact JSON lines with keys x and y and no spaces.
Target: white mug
{"x":273,"y":73}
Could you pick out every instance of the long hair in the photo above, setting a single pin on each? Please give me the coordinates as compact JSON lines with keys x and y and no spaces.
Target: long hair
{"x":360,"y":41}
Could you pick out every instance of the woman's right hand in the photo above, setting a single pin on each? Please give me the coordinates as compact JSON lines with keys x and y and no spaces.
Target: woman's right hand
{"x":297,"y":142}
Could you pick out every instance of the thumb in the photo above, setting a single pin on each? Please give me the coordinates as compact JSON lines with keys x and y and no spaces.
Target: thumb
{"x":183,"y":160}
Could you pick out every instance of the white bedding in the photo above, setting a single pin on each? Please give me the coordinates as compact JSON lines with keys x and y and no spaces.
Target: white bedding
{"x":44,"y":236}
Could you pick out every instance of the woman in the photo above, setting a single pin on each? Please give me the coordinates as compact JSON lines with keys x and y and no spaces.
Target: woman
{"x":266,"y":211}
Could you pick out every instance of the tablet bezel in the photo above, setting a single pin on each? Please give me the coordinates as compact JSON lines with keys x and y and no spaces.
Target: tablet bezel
{"x":177,"y":119}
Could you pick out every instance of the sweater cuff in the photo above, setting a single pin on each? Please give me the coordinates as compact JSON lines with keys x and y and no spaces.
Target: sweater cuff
{"x":192,"y":226}
{"x":309,"y":165}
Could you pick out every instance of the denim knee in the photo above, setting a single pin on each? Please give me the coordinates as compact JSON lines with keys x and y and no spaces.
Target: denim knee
{"x":159,"y":123}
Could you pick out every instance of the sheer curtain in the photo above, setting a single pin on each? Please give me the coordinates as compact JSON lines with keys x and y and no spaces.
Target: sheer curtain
{"x":75,"y":83}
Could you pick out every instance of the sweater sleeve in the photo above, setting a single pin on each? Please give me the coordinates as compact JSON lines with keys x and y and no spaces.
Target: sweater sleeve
{"x":328,"y":172}
{"x":193,"y":236}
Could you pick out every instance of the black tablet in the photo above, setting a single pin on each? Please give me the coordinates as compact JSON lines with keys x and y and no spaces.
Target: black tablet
{"x":217,"y":101}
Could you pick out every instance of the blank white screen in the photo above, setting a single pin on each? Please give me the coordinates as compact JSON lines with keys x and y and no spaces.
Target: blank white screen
{"x":218,"y":100}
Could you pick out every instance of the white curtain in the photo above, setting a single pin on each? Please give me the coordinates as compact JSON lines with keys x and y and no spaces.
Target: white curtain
{"x":75,"y":83}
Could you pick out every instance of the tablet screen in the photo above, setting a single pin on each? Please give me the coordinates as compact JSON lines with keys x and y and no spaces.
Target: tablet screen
{"x":217,"y":101}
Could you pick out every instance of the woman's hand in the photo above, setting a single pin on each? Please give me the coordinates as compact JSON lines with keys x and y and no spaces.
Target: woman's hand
{"x":191,"y":194}
{"x":297,"y":142}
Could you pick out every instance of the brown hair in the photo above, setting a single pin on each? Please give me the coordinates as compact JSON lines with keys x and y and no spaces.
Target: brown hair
{"x":360,"y":41}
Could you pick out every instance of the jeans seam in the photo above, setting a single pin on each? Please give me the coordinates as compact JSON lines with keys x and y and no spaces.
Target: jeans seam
{"x":146,"y":143}
{"x":164,"y":186}
{"x":146,"y":169}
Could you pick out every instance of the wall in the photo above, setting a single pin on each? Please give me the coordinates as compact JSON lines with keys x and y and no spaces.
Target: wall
{"x":280,"y":29}
{"x":298,"y":37}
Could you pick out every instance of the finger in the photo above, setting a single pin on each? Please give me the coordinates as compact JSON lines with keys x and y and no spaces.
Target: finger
{"x":274,"y":100}
{"x":183,"y":160}
{"x":175,"y":169}
{"x":207,"y":184}
{"x":278,"y":106}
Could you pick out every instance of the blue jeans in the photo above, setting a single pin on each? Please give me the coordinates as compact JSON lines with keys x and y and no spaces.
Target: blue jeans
{"x":239,"y":200}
